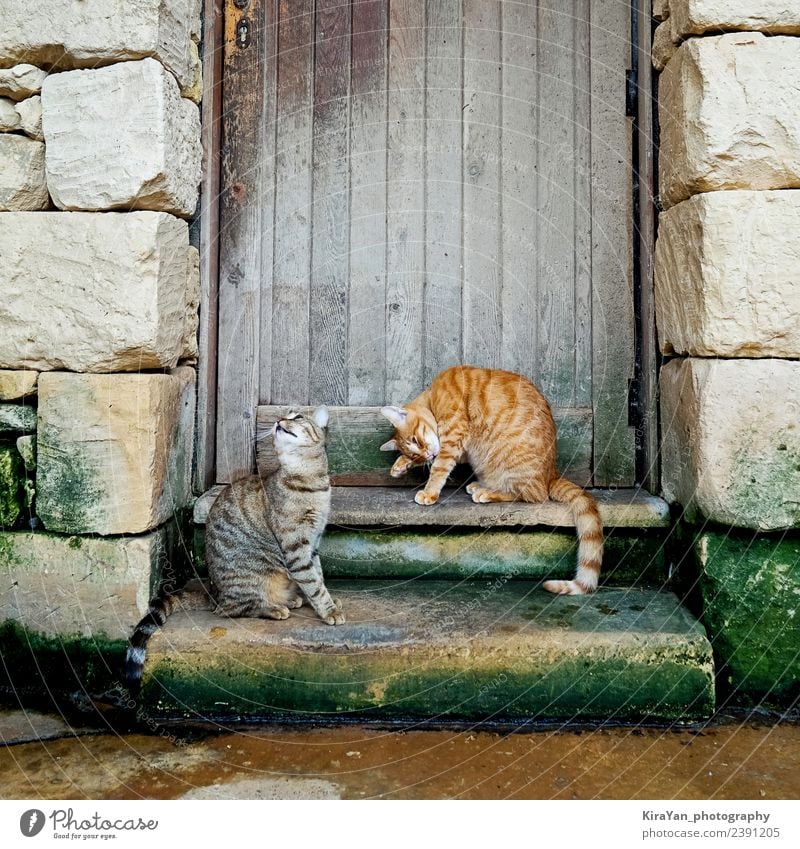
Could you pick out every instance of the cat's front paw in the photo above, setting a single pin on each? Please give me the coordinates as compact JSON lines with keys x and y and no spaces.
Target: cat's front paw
{"x":426,"y":498}
{"x":336,"y":615}
{"x":398,"y":471}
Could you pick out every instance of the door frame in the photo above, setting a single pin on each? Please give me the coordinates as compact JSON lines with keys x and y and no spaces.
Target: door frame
{"x":228,"y":24}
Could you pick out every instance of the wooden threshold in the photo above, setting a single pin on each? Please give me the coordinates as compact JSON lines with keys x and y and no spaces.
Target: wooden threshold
{"x":357,"y":506}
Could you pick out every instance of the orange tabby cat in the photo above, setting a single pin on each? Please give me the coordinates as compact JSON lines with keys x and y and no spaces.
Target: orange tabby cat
{"x":500,"y":424}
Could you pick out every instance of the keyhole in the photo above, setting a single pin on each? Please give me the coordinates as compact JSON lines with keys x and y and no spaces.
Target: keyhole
{"x":243,"y":33}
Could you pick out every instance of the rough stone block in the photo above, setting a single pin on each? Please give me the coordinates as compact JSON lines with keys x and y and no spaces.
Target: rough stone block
{"x":751,"y":595}
{"x":21,"y":81}
{"x":30,"y":117}
{"x":121,"y":137}
{"x":663,"y":48}
{"x":731,"y":444}
{"x":15,"y":385}
{"x":22,"y":174}
{"x":696,"y":17}
{"x":114,"y":451}
{"x":73,"y":586}
{"x":729,"y":116}
{"x":192,"y":314}
{"x":93,"y":292}
{"x":17,"y":418}
{"x":79,"y":34}
{"x":660,"y":9}
{"x":726,"y":275}
{"x":9,"y":117}
{"x":12,"y":486}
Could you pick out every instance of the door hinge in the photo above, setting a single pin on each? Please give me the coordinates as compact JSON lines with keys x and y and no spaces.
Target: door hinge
{"x":634,"y":402}
{"x":631,"y":93}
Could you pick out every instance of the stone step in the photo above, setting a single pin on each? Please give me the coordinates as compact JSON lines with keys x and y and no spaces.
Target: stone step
{"x":490,"y":649}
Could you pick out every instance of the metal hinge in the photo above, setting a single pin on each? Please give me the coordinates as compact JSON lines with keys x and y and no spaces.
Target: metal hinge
{"x":631,"y":93}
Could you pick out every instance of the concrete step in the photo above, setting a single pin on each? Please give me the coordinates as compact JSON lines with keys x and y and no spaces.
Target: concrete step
{"x":378,"y":532}
{"x":481,"y":649}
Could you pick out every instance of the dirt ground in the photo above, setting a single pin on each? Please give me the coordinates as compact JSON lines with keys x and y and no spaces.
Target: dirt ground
{"x":731,"y":759}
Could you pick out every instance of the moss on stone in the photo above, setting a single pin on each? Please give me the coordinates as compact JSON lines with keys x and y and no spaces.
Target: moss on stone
{"x":69,"y":489}
{"x":12,"y":486}
{"x":32,"y":664}
{"x":751,"y":596}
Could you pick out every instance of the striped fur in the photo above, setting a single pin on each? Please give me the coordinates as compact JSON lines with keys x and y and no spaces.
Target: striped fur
{"x":194,"y":596}
{"x":500,"y":424}
{"x":262,"y":534}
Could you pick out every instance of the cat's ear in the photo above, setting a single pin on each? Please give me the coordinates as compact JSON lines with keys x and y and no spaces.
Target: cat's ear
{"x":320,"y":416}
{"x":391,"y":445}
{"x":396,"y":415}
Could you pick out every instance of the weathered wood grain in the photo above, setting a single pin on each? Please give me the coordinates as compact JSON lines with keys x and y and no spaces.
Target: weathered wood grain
{"x":241,"y":231}
{"x":443,"y":213}
{"x":211,"y":135}
{"x":518,"y":187}
{"x":482,"y":323}
{"x":612,"y":286}
{"x":405,"y":213}
{"x":293,"y":200}
{"x":330,"y":240}
{"x":366,"y":327}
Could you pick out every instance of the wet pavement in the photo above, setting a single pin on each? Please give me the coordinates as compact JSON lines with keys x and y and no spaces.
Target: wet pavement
{"x":730,"y":759}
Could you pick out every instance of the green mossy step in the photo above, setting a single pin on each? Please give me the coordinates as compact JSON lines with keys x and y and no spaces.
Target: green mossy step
{"x":480,"y":649}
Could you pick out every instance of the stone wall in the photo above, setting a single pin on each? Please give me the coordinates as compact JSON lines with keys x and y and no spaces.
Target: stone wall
{"x":728,"y":307}
{"x":99,"y":290}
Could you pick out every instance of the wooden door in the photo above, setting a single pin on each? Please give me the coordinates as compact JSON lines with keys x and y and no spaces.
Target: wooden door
{"x":409,"y":184}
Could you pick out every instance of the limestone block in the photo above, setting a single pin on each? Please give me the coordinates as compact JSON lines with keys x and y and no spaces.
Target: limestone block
{"x":729,"y":116}
{"x":21,"y":81}
{"x":9,"y":117}
{"x":93,"y":292}
{"x":29,"y":112}
{"x":15,"y":385}
{"x":12,"y":490}
{"x":726,"y":275}
{"x":26,"y":446}
{"x":121,"y":137}
{"x":695,"y":17}
{"x":17,"y":418}
{"x":113,"y":451}
{"x":73,"y":586}
{"x":751,"y":588}
{"x":22,"y":174}
{"x":664,"y":47}
{"x":661,"y":9}
{"x":190,"y":345}
{"x":731,"y":441}
{"x":80,"y":34}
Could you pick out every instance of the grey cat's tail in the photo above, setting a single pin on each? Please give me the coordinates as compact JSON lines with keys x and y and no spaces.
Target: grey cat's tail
{"x":194,"y":596}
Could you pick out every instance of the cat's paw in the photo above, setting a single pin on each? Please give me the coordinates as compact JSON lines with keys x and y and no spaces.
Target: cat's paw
{"x":396,"y":472}
{"x":335,"y":616}
{"x":295,"y":603}
{"x":426,"y":498}
{"x":471,"y":487}
{"x":277,"y":612}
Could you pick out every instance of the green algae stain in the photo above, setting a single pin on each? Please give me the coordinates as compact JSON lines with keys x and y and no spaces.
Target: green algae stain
{"x":69,"y":488}
{"x":12,"y":486}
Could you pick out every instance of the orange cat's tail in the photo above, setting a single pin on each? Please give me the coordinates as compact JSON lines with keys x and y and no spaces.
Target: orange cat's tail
{"x":589,"y":527}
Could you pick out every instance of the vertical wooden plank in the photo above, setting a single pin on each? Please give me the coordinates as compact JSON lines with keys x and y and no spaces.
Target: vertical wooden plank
{"x":482,"y":278}
{"x":405,"y":199}
{"x":443,"y":175}
{"x":555,"y":208}
{"x":240,"y":258}
{"x":647,"y":225}
{"x":211,"y":131}
{"x":612,"y":300}
{"x":367,"y":306}
{"x":519,"y":187}
{"x":268,"y":197}
{"x":582,"y":194}
{"x":330,"y":239}
{"x":293,"y":167}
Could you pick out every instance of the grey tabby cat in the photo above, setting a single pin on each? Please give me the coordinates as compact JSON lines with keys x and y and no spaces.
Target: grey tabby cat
{"x":262,"y":535}
{"x":262,"y":538}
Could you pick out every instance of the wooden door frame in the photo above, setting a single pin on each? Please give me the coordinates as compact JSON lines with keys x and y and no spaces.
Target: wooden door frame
{"x":221,"y":22}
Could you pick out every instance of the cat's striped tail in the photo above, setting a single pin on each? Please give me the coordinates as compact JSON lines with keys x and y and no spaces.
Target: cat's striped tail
{"x":194,"y":596}
{"x":589,"y":527}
